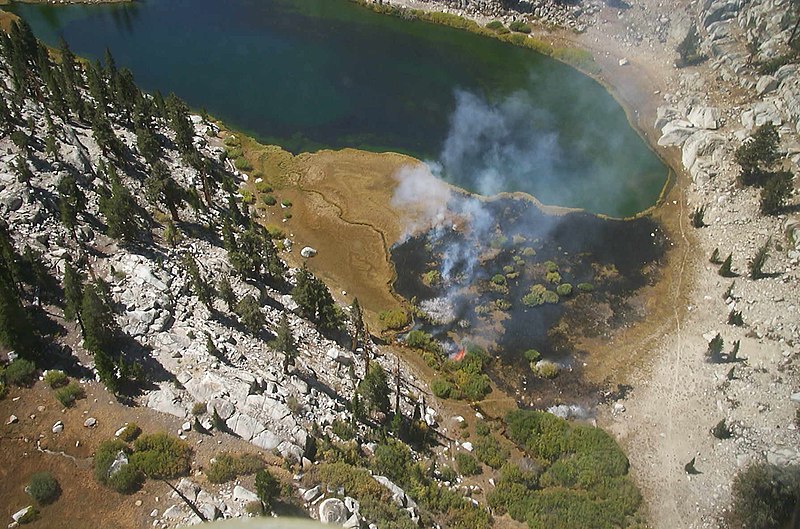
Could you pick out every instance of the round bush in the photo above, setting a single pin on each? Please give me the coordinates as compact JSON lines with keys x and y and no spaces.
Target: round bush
{"x":131,"y":432}
{"x":20,"y":372}
{"x":467,"y":465}
{"x":269,"y":200}
{"x":55,"y":378}
{"x":564,"y":290}
{"x":69,"y":394}
{"x":126,"y":480}
{"x":161,"y":456}
{"x":441,"y":388}
{"x":43,"y":488}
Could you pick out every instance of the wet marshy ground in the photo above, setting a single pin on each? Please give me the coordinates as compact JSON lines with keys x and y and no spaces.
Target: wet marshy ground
{"x":500,"y":275}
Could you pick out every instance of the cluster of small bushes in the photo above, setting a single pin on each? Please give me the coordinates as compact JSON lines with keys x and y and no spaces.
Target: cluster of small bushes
{"x":66,"y":391}
{"x":764,"y":496}
{"x":394,"y":460}
{"x":157,"y":456}
{"x":394,"y":319}
{"x":463,"y":379}
{"x":576,"y":477}
{"x":227,"y":467}
{"x":487,"y":448}
{"x":20,"y":372}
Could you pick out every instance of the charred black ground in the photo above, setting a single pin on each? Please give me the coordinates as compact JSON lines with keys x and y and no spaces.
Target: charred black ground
{"x":471,"y":276}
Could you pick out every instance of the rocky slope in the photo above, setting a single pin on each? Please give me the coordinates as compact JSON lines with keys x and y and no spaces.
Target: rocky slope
{"x":200,"y":359}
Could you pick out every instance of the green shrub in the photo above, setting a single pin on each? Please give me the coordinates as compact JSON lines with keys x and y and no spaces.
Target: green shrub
{"x":764,"y":496}
{"x":269,"y":200}
{"x":546,"y":369}
{"x":286,"y":203}
{"x":43,"y":488}
{"x":497,"y":27}
{"x":161,"y":456}
{"x":55,"y":378}
{"x":20,"y":372}
{"x":393,"y":460}
{"x":343,"y":429}
{"x":242,"y":164}
{"x":489,"y":452}
{"x":394,"y":319}
{"x":482,"y":428}
{"x":553,"y":277}
{"x":564,"y":290}
{"x":532,"y":355}
{"x":441,"y":387}
{"x":519,"y":26}
{"x":227,"y":467}
{"x":131,"y":432}
{"x":70,"y":393}
{"x":585,"y":287}
{"x":375,"y":500}
{"x":535,"y":296}
{"x":550,"y":297}
{"x":199,"y":408}
{"x":421,"y":340}
{"x":127,"y":479}
{"x":467,"y":465}
{"x":476,"y":386}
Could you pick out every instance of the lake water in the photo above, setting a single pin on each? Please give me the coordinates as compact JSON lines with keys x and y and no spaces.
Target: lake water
{"x":310,"y":74}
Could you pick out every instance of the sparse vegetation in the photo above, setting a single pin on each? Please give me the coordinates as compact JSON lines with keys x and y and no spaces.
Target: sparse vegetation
{"x":467,"y":465}
{"x":130,"y":432}
{"x":394,"y":319}
{"x":20,"y":372}
{"x":160,"y":456}
{"x":55,"y":378}
{"x":68,"y":394}
{"x":227,"y":467}
{"x":764,"y":496}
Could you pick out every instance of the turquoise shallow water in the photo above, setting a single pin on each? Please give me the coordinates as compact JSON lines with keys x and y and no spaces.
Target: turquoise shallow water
{"x":308,"y":74}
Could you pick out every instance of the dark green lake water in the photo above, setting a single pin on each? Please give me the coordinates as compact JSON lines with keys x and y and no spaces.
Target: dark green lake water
{"x":308,"y":74}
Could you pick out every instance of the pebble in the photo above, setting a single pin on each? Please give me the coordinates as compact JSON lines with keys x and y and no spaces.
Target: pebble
{"x":58,"y":427}
{"x":90,"y":422}
{"x":138,"y":503}
{"x":12,"y":419}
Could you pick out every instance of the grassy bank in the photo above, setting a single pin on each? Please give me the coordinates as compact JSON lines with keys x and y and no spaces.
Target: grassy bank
{"x":580,"y":59}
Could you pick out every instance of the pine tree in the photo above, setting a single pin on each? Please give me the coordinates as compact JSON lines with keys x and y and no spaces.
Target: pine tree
{"x":284,"y":342}
{"x":315,"y":302}
{"x":161,"y":188}
{"x":100,"y":328}
{"x":226,"y":292}
{"x":249,"y":313}
{"x":73,"y":293}
{"x":268,"y":489}
{"x":120,"y":209}
{"x":148,"y":145}
{"x":776,"y":192}
{"x":756,"y":264}
{"x":24,"y":173}
{"x":71,"y":201}
{"x":725,"y":269}
{"x":179,"y":121}
{"x":374,"y":389}
{"x":15,"y":329}
{"x":200,"y":287}
{"x":357,"y":320}
{"x":714,"y":351}
{"x":105,"y":137}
